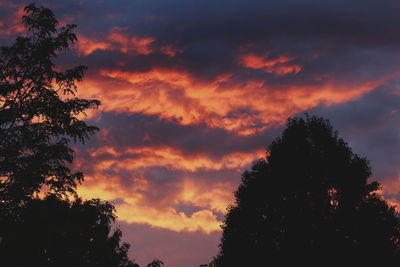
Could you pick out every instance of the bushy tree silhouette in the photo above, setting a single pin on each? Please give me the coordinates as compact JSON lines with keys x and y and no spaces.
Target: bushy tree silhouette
{"x":55,"y":232}
{"x":39,"y":110}
{"x":309,"y":201}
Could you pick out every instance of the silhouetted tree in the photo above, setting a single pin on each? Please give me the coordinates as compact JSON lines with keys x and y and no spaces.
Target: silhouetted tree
{"x":56,"y":232}
{"x":309,"y":201}
{"x":38,"y":120}
{"x":155,"y":263}
{"x":39,"y":110}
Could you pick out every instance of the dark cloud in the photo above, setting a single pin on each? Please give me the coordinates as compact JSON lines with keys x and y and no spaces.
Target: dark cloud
{"x":139,"y":130}
{"x":370,"y":125}
{"x":351,"y":38}
{"x":339,"y":44}
{"x":187,"y":209}
{"x":117,"y":201}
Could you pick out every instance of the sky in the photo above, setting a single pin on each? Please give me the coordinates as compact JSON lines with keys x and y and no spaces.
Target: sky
{"x":193,"y":92}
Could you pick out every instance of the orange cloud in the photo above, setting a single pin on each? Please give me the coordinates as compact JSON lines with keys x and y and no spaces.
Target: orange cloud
{"x":127,"y":43}
{"x":391,"y":186}
{"x":12,"y":24}
{"x":115,"y":42}
{"x":138,"y":207}
{"x":170,"y":50}
{"x":133,"y":210}
{"x":279,"y":66}
{"x":119,"y":39}
{"x":215,"y":198}
{"x":135,"y":158}
{"x":243,"y":107}
{"x":175,"y":94}
{"x":86,"y":46}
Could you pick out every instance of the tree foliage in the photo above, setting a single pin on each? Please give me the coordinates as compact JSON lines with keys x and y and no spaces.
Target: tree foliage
{"x":39,"y":110}
{"x":55,"y":232}
{"x":39,"y":118}
{"x":309,"y":201}
{"x":155,"y":263}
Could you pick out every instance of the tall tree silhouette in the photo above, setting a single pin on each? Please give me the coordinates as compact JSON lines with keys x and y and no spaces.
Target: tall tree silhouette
{"x":39,"y":110}
{"x":38,"y":120}
{"x":309,"y":201}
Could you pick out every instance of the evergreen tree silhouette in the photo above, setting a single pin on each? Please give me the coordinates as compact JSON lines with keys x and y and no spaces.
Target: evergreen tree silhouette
{"x":310,"y":202}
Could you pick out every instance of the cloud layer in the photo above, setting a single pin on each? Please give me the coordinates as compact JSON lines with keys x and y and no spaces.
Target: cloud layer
{"x":193,"y":91}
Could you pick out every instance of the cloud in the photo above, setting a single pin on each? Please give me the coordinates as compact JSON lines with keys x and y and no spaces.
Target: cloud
{"x":157,"y":166}
{"x":135,"y":209}
{"x":11,"y":18}
{"x":153,"y":180}
{"x":133,"y":158}
{"x":244,"y":107}
{"x":278,"y":66}
{"x":118,"y":39}
{"x":369,"y":125}
{"x":138,"y":130}
{"x":193,"y":91}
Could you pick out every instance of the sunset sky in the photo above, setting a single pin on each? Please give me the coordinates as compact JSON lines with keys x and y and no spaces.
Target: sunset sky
{"x":193,"y":91}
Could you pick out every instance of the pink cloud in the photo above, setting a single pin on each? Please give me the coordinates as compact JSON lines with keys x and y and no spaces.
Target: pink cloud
{"x":280,"y":66}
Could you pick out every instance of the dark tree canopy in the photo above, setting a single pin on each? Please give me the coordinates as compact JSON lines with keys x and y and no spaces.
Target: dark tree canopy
{"x":309,"y":201}
{"x":39,"y":110}
{"x":54,"y":232}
